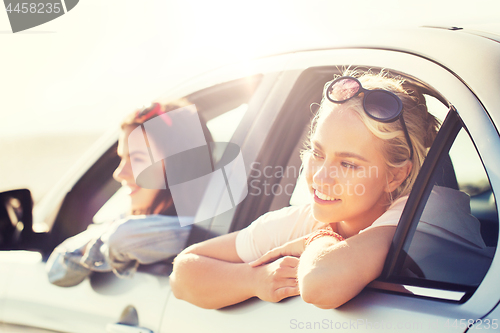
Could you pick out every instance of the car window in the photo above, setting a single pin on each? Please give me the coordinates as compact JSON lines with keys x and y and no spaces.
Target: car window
{"x":460,"y":171}
{"x":457,"y":232}
{"x":222,"y":120}
{"x":438,"y":258}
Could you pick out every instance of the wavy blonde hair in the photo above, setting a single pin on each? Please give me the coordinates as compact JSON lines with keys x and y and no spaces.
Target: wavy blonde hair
{"x":422,"y":126}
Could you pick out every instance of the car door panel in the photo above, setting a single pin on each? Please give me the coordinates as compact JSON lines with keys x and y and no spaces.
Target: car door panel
{"x":371,"y":310}
{"x":87,"y":307}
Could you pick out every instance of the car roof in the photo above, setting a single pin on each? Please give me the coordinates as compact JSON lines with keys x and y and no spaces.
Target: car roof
{"x":471,"y":53}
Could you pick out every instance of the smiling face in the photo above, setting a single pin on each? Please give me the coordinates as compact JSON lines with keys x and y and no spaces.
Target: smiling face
{"x":141,"y":198}
{"x":346,"y":172}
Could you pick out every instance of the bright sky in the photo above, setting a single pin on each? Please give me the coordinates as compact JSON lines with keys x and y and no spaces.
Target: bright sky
{"x":88,"y":68}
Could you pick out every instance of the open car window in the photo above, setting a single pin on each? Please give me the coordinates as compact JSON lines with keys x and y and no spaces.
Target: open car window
{"x":98,"y":198}
{"x":422,"y":259}
{"x":275,"y":180}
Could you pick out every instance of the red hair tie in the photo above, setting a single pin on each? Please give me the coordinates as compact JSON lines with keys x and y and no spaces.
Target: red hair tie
{"x":150,"y":112}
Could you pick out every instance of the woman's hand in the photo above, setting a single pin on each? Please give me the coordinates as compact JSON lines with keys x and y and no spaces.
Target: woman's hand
{"x":278,"y":271}
{"x":277,"y":280}
{"x":293,"y":249}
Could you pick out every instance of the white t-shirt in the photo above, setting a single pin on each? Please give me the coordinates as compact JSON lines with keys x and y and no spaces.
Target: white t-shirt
{"x":446,"y":215}
{"x":274,"y":229}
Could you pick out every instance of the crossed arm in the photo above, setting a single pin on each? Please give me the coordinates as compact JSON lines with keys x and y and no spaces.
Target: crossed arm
{"x":327,"y":273}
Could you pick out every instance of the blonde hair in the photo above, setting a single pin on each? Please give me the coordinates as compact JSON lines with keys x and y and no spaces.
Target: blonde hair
{"x":422,"y":126}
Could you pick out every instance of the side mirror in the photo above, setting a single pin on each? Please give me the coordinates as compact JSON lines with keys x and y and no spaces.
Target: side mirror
{"x":16,"y":219}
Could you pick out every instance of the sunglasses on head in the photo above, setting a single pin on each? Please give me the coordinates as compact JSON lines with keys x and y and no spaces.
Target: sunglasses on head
{"x":381,"y":105}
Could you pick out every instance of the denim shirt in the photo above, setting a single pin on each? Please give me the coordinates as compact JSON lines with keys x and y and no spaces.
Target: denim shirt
{"x":119,"y":246}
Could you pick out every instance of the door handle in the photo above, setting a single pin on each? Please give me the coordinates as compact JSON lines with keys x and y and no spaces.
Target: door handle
{"x":121,"y":328}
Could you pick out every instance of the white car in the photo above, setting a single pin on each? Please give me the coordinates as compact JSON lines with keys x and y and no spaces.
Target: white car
{"x":263,"y":106}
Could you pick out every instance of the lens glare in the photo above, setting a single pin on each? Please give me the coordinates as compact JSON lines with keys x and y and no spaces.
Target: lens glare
{"x":343,"y":89}
{"x":381,"y":105}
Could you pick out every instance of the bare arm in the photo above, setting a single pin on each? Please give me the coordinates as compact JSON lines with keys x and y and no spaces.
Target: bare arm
{"x":330,"y":273}
{"x":211,"y":275}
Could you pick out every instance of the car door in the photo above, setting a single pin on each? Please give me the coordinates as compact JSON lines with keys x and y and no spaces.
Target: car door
{"x":32,"y":303}
{"x":103,"y":302}
{"x":393,"y":301}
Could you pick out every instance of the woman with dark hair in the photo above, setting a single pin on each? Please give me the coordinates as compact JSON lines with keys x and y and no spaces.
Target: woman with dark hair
{"x":150,"y":232}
